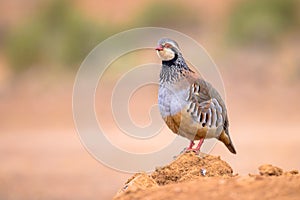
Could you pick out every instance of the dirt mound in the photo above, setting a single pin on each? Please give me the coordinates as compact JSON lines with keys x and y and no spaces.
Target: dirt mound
{"x":188,"y":166}
{"x":208,"y":177}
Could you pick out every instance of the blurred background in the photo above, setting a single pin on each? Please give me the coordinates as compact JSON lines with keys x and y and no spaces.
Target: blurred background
{"x":255,"y":44}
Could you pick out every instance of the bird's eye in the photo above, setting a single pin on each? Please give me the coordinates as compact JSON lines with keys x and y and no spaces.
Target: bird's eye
{"x":167,"y":45}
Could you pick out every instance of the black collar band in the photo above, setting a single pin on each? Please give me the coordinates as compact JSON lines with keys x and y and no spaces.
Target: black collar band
{"x":170,"y":62}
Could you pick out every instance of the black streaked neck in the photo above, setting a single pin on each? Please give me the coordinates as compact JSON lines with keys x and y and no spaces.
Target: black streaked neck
{"x":174,"y":70}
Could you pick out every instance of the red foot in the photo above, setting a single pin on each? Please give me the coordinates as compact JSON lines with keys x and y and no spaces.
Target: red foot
{"x":197,"y":149}
{"x":191,"y":146}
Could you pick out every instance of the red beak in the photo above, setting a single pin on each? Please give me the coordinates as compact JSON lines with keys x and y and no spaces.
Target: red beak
{"x":159,"y":48}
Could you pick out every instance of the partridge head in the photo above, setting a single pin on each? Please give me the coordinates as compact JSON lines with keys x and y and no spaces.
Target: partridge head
{"x":190,"y":106}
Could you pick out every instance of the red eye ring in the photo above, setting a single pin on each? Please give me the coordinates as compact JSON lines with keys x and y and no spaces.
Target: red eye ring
{"x":167,"y":45}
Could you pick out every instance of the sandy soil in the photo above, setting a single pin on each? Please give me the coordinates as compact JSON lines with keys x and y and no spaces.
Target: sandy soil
{"x":208,"y":177}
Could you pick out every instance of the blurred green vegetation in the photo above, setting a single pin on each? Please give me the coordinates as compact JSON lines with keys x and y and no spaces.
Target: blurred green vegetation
{"x":169,"y":14}
{"x":57,"y":35}
{"x":263,"y":21}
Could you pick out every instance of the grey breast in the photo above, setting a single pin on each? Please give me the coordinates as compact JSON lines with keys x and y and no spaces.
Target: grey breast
{"x":172,"y":98}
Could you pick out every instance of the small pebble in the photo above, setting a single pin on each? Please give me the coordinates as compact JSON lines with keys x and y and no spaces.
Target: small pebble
{"x":125,"y":187}
{"x":203,"y":172}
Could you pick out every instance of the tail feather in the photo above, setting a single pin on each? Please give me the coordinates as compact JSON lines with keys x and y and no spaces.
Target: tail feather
{"x":225,"y":138}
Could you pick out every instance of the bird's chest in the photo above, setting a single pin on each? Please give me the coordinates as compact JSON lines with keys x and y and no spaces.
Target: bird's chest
{"x":171,"y":100}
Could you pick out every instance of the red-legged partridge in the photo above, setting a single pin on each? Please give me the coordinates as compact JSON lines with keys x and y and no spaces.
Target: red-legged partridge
{"x":189,"y":105}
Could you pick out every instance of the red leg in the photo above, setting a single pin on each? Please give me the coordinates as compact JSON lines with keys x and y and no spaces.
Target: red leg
{"x":190,"y":146}
{"x":197,"y":150}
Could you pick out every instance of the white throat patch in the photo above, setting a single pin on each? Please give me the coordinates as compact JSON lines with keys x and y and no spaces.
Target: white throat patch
{"x":166,"y":54}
